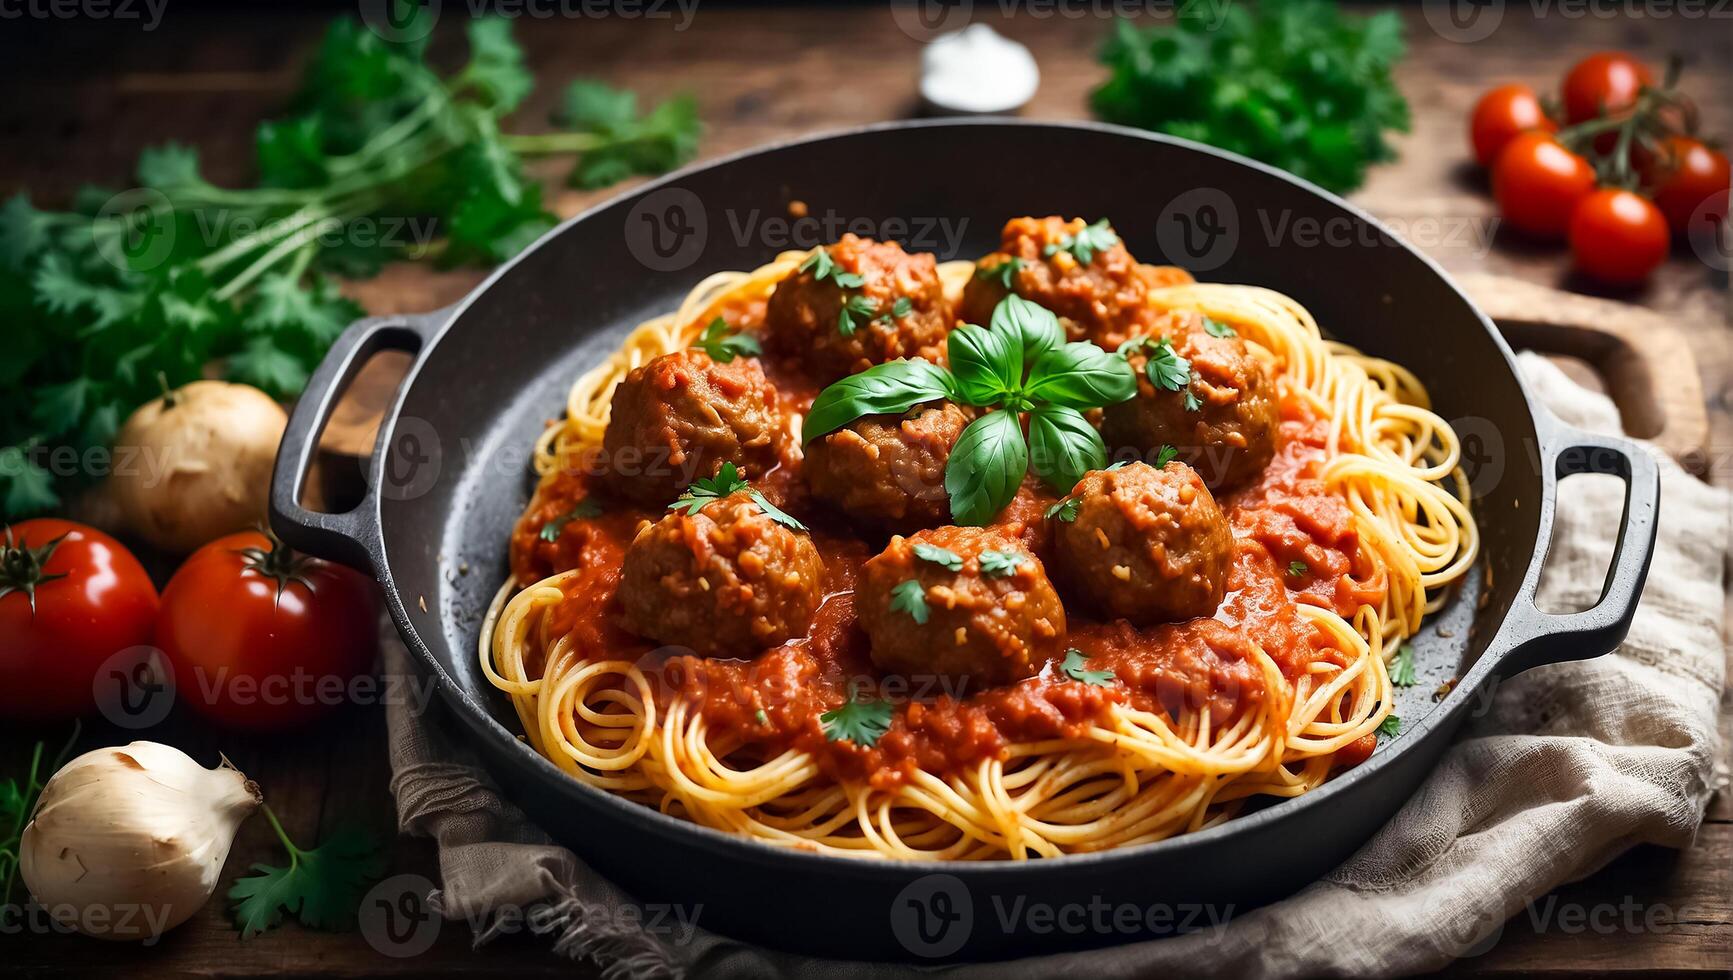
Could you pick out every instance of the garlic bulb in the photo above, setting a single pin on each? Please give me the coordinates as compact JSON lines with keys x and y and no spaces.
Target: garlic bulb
{"x":128,"y":842}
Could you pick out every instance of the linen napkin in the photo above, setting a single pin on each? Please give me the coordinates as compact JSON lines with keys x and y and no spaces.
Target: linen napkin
{"x":1568,"y":766}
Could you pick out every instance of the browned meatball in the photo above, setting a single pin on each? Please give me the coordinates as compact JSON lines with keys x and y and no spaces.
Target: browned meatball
{"x":726,"y":582}
{"x":1148,"y":545}
{"x":681,"y":416}
{"x":889,"y":470}
{"x":803,"y":318}
{"x":1105,"y":300}
{"x":984,"y":624}
{"x":1227,"y":432}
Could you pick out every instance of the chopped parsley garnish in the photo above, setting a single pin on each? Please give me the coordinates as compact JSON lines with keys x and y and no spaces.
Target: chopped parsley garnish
{"x":1020,"y":365}
{"x":1297,"y":568}
{"x":1004,"y":271}
{"x":584,"y":508}
{"x":321,"y":886}
{"x":723,"y":344}
{"x":762,"y":718}
{"x":1216,"y":328}
{"x":1165,"y":455}
{"x":911,"y":597}
{"x":857,"y":721}
{"x":1097,"y":237}
{"x":943,"y":557}
{"x":900,"y":308}
{"x":1402,"y":668}
{"x":853,"y":308}
{"x":1191,"y":402}
{"x":1391,"y":726}
{"x":1065,"y":510}
{"x":1000,"y":564}
{"x":726,"y":482}
{"x":1166,"y":370}
{"x":1074,"y":669}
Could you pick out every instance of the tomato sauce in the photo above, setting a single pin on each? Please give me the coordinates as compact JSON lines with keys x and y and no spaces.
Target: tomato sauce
{"x":1295,"y":542}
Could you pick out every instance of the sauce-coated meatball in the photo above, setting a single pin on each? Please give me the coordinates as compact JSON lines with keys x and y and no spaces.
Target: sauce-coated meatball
{"x":726,"y":582}
{"x":1105,"y":300}
{"x":1228,"y":435}
{"x":985,"y":625}
{"x":681,"y":416}
{"x":1148,"y":545}
{"x":889,"y":470}
{"x":803,"y":318}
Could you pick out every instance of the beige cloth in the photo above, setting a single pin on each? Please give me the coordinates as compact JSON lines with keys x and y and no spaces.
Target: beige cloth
{"x":1568,"y":766}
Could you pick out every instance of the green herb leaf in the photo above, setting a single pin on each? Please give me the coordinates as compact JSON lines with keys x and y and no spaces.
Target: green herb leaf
{"x":1165,"y":455}
{"x":820,"y":264}
{"x":942,"y":557}
{"x":855,"y":310}
{"x":1035,"y":326}
{"x":1216,"y":328}
{"x":1063,"y":446}
{"x":899,"y":309}
{"x":1083,"y":246}
{"x":985,"y":468}
{"x":1167,"y":370}
{"x":1005,"y":272}
{"x":1065,"y":510}
{"x":890,"y":388}
{"x":1074,"y":668}
{"x":857,"y":721}
{"x":1191,"y":401}
{"x":723,"y":344}
{"x":773,"y":512}
{"x":987,"y":364}
{"x":1081,"y":375}
{"x":1296,"y":568}
{"x":1402,"y":672}
{"x":321,"y":887}
{"x":1391,"y":726}
{"x":911,"y":597}
{"x":1001,"y":564}
{"x":587,"y":507}
{"x":710,"y":489}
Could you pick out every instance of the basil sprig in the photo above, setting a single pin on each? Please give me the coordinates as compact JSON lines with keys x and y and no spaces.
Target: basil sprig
{"x":1019,"y":364}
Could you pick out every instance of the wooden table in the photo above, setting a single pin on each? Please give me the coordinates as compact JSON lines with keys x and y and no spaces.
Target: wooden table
{"x":83,"y":97}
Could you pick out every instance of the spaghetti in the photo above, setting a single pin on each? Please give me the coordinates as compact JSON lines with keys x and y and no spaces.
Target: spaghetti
{"x":1288,"y":683}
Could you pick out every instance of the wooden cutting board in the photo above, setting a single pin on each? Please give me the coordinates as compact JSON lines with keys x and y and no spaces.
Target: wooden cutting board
{"x":1633,"y":354}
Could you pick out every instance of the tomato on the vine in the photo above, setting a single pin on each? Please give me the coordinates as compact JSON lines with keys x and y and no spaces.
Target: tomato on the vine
{"x":1607,"y":82}
{"x":70,"y":598}
{"x":1684,"y":173}
{"x":1618,"y":237}
{"x":1500,"y":116}
{"x":1537,"y":183}
{"x":262,"y":638}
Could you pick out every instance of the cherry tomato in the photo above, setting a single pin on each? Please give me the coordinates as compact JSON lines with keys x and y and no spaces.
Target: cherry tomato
{"x":1618,"y":237}
{"x":1684,"y":174}
{"x":1537,"y":183}
{"x":1500,"y":116}
{"x":1605,"y":82}
{"x":70,"y":598}
{"x":264,"y":639}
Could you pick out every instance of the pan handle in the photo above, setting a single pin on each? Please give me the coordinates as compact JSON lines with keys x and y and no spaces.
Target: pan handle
{"x":1544,"y":638}
{"x":349,"y":537}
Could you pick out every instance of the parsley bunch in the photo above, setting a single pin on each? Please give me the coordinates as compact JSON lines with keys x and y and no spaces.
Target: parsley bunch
{"x":1294,"y":83}
{"x":381,"y":157}
{"x":1019,"y":365}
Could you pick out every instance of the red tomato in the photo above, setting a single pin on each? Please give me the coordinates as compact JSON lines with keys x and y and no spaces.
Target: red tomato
{"x":1537,"y":183}
{"x":70,"y":598}
{"x":1500,"y":116}
{"x":1683,"y":175}
{"x":263,"y":639}
{"x":1608,"y":81}
{"x":1618,"y":237}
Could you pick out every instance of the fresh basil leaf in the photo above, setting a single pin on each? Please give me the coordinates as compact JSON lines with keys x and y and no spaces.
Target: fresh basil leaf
{"x":1063,"y":446}
{"x":1036,"y":325}
{"x":883,"y":389}
{"x":988,"y":364}
{"x":1081,"y":375}
{"x":985,"y":468}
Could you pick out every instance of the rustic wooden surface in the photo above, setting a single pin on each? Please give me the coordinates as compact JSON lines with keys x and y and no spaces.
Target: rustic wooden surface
{"x":83,"y":97}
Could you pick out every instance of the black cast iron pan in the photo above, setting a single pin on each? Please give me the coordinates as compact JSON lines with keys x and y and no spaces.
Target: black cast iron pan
{"x":450,"y":475}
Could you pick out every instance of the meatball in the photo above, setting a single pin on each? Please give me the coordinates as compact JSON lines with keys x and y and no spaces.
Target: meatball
{"x":804,"y":318}
{"x":1148,"y":545}
{"x":982,"y":624}
{"x":1105,"y":300}
{"x":889,"y":470}
{"x":1227,"y":432}
{"x":727,"y":581}
{"x":681,"y":416}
